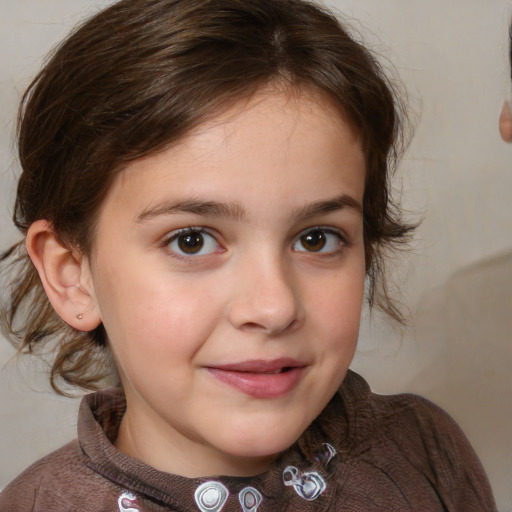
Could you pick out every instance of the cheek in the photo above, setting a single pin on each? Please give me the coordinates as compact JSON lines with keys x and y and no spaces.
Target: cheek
{"x":147,"y":314}
{"x":339,"y":296}
{"x":336,"y":308}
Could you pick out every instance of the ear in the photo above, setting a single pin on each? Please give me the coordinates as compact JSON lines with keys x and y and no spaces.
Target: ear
{"x":505,"y":122}
{"x":65,"y":275}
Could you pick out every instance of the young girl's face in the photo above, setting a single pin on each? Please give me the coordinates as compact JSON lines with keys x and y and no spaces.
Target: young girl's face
{"x":228,"y":272}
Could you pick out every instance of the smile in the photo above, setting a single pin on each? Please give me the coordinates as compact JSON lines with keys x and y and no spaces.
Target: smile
{"x":261,"y":379}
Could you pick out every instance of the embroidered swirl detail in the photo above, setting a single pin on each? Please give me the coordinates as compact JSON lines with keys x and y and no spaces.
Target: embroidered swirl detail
{"x":325,"y":455}
{"x":211,"y":496}
{"x":308,"y":485}
{"x":250,"y":499}
{"x":127,"y":502}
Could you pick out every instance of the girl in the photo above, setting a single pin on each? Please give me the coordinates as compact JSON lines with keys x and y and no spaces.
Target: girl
{"x":205,"y":189}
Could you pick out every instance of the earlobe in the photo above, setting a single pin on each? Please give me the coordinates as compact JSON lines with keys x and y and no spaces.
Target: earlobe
{"x":62,"y":274}
{"x":505,"y":122}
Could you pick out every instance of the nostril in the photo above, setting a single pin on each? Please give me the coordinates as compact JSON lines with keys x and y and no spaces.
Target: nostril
{"x":269,"y":310}
{"x":270,"y":329}
{"x":252,"y":326}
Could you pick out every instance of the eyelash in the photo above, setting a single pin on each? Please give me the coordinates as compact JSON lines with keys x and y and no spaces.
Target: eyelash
{"x":323,"y":230}
{"x":175,"y":235}
{"x":343,"y":241}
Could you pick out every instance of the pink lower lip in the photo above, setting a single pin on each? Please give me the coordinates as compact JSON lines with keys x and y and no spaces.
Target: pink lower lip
{"x":260,"y":384}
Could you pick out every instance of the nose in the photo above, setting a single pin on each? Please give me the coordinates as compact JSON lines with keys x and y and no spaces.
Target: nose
{"x":267,"y":298}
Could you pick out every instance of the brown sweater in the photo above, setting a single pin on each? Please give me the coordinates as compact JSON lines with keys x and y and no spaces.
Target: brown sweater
{"x":365,"y":452}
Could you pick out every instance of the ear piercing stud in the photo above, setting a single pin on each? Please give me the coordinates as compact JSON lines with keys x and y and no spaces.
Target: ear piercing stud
{"x":79,"y":316}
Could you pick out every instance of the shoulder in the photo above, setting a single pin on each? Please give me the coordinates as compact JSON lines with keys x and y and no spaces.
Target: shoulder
{"x":424,"y":429}
{"x":79,"y":476}
{"x":406,"y":416}
{"x":415,"y":443}
{"x":45,"y":482}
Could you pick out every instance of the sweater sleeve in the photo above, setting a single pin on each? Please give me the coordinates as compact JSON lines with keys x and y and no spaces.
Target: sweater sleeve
{"x":13,"y":499}
{"x":39,"y":488}
{"x":452,"y":464}
{"x":25,"y":494}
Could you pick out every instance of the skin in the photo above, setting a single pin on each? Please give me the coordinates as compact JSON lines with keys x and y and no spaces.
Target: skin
{"x":257,"y":295}
{"x":505,"y":123}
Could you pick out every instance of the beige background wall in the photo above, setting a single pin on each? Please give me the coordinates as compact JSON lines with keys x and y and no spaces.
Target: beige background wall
{"x":452,"y":56}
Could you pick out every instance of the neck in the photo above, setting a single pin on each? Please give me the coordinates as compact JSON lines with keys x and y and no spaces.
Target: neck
{"x":171,"y":453}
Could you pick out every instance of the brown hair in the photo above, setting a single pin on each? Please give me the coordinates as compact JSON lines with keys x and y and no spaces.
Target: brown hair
{"x":140,"y":75}
{"x":510,"y":48}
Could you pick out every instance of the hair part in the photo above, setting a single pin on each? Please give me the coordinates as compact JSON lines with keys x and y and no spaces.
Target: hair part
{"x":139,"y":76}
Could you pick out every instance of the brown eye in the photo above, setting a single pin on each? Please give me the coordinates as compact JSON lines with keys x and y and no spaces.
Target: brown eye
{"x":191,"y":243}
{"x":321,"y":240}
{"x":313,"y":241}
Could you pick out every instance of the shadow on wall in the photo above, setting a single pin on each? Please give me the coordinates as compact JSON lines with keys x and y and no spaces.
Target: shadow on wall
{"x":471,"y":373}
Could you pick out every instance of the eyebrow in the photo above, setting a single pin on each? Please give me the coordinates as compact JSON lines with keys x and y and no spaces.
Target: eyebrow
{"x":237,"y":212}
{"x":327,"y":206}
{"x":203,"y":208}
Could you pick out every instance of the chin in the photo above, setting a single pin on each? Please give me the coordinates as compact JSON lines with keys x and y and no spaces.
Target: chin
{"x":263,"y":442}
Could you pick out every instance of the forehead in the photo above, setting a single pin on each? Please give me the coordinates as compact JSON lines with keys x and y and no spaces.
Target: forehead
{"x":273,"y":140}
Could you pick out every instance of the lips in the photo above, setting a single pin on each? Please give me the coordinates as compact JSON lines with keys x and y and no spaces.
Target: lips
{"x":260,"y":378}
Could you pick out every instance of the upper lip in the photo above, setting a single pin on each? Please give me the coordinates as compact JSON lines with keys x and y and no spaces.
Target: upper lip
{"x":261,"y":365}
